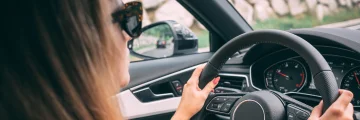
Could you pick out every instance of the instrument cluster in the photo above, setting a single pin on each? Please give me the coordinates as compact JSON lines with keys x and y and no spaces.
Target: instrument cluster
{"x":293,"y":75}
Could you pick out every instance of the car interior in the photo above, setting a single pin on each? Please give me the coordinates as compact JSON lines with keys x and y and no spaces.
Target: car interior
{"x":265,"y":74}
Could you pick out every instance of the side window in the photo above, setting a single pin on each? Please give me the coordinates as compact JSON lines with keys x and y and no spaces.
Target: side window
{"x":294,"y":14}
{"x":168,"y":30}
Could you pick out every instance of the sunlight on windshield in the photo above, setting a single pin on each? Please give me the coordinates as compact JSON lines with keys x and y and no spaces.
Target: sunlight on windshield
{"x":291,"y":14}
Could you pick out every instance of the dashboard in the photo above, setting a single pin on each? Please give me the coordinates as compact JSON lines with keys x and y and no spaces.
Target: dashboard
{"x":290,"y":75}
{"x":286,"y":72}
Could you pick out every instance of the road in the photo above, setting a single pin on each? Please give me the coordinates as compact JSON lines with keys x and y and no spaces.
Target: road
{"x":349,"y":24}
{"x":159,"y":52}
{"x":164,"y":52}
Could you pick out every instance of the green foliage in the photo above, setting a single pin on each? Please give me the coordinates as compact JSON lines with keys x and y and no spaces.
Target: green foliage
{"x":343,"y":15}
{"x":204,"y":38}
{"x":160,"y":31}
{"x":134,"y":58}
{"x":143,"y":47}
{"x":306,"y":21}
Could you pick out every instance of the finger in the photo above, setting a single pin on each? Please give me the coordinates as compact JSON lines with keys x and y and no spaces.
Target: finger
{"x":338,"y":108}
{"x":316,"y":112}
{"x":349,"y":110}
{"x":344,"y":99}
{"x":197,"y":88}
{"x":194,"y":79}
{"x":211,"y":85}
{"x":198,"y":71}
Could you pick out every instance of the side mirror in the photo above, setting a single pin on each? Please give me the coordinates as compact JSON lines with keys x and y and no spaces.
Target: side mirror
{"x":164,"y":39}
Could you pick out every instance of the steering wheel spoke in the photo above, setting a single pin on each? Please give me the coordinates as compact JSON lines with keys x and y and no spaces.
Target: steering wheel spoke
{"x":295,"y":110}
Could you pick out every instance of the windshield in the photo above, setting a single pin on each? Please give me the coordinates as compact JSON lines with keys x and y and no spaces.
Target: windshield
{"x":291,"y":14}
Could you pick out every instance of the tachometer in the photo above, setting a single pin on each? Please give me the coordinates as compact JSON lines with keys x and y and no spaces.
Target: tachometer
{"x":287,"y":76}
{"x":351,"y":82}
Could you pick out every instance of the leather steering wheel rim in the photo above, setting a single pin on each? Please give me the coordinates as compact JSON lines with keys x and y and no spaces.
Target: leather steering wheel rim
{"x":324,"y":78}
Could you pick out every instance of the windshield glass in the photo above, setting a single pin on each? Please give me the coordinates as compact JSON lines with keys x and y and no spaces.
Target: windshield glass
{"x":291,"y":14}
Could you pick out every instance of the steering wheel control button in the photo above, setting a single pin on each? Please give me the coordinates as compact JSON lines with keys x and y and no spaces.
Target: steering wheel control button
{"x":291,"y":116}
{"x":302,"y":115}
{"x":225,"y":109}
{"x":212,"y":106}
{"x":177,"y":86}
{"x":222,"y":104}
{"x":291,"y":109}
{"x":219,"y":106}
{"x":223,"y":99}
{"x":217,"y":99}
{"x":227,"y":106}
{"x":297,"y":113}
{"x":215,"y":106}
{"x":220,"y":99}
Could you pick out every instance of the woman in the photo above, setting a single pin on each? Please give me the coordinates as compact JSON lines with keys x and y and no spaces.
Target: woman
{"x":65,"y":59}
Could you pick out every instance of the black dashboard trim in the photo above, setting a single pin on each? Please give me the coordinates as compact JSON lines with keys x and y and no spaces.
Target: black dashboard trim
{"x":236,"y":75}
{"x":345,"y":37}
{"x":341,"y":38}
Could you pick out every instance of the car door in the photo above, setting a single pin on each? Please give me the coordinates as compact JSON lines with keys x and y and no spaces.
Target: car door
{"x":156,"y":82}
{"x":155,"y":87}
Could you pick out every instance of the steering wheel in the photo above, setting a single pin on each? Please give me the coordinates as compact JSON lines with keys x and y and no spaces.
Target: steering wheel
{"x":267,"y":105}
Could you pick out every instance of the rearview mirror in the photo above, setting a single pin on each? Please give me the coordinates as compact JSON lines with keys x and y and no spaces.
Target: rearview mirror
{"x":164,"y":39}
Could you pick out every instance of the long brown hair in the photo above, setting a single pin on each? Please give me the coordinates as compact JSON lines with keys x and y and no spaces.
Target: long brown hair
{"x":57,"y":61}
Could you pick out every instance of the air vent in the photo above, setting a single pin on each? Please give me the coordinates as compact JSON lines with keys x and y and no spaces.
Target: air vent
{"x":232,"y":81}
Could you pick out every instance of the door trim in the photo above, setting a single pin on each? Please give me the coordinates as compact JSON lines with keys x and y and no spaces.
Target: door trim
{"x":132,"y":108}
{"x":164,"y":77}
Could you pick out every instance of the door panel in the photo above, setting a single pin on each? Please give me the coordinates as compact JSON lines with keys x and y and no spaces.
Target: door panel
{"x":144,"y":71}
{"x":152,"y":92}
{"x":133,"y":108}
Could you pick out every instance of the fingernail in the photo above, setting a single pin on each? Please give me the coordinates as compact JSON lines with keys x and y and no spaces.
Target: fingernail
{"x":216,"y":80}
{"x":212,"y":90}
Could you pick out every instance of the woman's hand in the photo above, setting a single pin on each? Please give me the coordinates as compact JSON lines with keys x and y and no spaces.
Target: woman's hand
{"x":341,"y":109}
{"x":193,"y":98}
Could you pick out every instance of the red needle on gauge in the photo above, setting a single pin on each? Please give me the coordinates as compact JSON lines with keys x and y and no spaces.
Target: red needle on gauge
{"x":357,"y":79}
{"x":282,"y":74}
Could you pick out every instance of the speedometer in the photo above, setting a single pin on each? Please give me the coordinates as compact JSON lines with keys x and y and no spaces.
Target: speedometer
{"x":351,"y":82}
{"x":287,"y":76}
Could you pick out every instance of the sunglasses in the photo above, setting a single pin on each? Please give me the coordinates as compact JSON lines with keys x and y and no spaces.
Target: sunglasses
{"x":129,"y":17}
